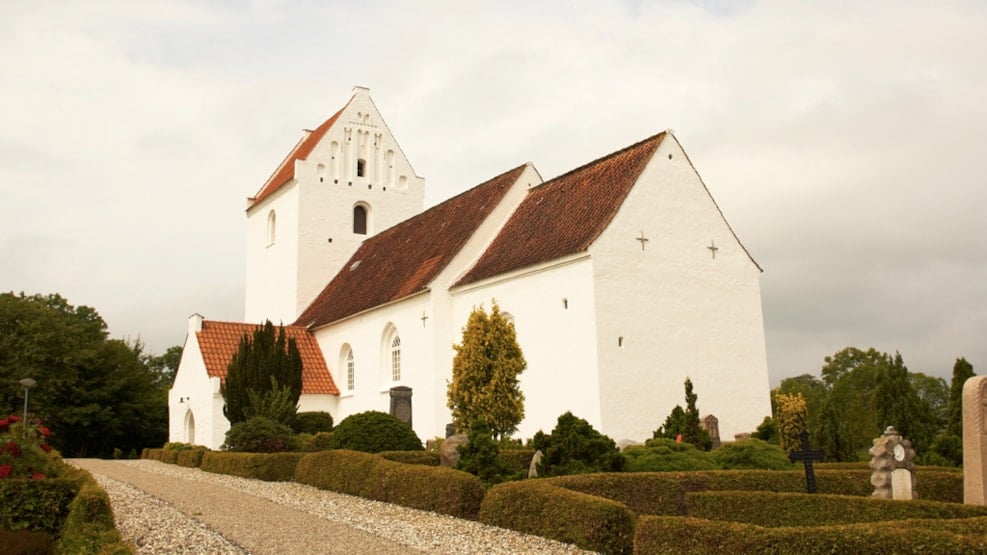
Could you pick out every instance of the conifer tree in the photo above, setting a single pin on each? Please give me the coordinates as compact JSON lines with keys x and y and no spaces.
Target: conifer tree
{"x":485,"y":372}
{"x":898,"y":405}
{"x":267,"y":365}
{"x":962,"y":371}
{"x":793,"y":418}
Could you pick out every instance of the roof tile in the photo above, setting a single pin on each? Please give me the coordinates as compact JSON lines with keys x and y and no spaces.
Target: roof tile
{"x":404,"y":259}
{"x":565,"y":215}
{"x":218,"y":342}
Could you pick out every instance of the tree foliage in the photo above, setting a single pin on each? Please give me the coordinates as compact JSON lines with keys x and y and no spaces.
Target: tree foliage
{"x":480,"y":456}
{"x":900,"y":406}
{"x":962,"y":371}
{"x":264,"y":375}
{"x":684,"y":424}
{"x":373,"y":432}
{"x":792,"y":420}
{"x":95,"y":393}
{"x":664,"y":455}
{"x":485,"y":373}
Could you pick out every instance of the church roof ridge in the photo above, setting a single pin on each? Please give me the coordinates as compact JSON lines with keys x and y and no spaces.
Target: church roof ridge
{"x":218,"y":342}
{"x":285,"y":171}
{"x":404,"y":259}
{"x":564,"y":215}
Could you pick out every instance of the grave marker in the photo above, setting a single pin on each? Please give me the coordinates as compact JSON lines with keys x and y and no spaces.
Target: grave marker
{"x":806,"y":456}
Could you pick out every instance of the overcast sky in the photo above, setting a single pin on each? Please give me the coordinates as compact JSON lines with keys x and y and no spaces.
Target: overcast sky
{"x":845,"y":142}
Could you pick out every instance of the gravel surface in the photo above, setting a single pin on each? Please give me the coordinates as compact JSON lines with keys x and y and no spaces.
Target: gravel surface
{"x":173,"y":509}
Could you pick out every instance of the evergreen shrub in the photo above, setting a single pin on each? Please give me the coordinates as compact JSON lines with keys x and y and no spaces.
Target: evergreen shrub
{"x":373,"y":432}
{"x":312,"y":422}
{"x":258,"y":435}
{"x":541,"y":508}
{"x":89,"y":527}
{"x":574,"y":447}
{"x":339,"y":470}
{"x":517,"y":460}
{"x":754,"y":454}
{"x":24,"y":542}
{"x":39,"y":505}
{"x":191,"y":458}
{"x":480,"y":456}
{"x":662,"y":455}
{"x":169,"y":456}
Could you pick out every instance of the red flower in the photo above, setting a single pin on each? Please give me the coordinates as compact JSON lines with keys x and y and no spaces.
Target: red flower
{"x":45,"y":432}
{"x":46,"y":448}
{"x":4,"y":425}
{"x":38,"y":476}
{"x":5,"y":470}
{"x":14,"y":418}
{"x":13,"y":449}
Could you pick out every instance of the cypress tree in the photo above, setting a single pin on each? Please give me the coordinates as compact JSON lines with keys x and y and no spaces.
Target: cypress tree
{"x":266,"y":365}
{"x":962,"y":371}
{"x":485,"y":372}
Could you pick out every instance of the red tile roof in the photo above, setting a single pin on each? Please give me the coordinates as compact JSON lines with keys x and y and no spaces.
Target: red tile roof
{"x":565,"y":215}
{"x":286,"y":171}
{"x":218,"y":342}
{"x":404,"y":259}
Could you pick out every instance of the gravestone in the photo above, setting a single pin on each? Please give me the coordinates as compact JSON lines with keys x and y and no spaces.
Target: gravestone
{"x":806,"y":456}
{"x":535,"y":461}
{"x":711,"y":424}
{"x":448,"y":454}
{"x":893,"y":465}
{"x":401,"y":404}
{"x":975,"y":441}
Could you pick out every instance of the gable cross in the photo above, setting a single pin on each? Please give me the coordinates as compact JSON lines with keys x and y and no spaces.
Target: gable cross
{"x":424,"y":317}
{"x":806,"y":456}
{"x":642,"y":239}
{"x":713,"y":248}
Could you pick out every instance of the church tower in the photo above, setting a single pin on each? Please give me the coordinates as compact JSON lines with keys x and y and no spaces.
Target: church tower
{"x":344,"y":181}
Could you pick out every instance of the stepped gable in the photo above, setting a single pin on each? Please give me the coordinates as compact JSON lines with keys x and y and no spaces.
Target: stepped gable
{"x":218,"y":342}
{"x":565,"y":215}
{"x":286,"y":171}
{"x":404,"y":259}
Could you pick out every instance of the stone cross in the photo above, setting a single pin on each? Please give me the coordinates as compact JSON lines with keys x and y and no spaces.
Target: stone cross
{"x":713,"y":248}
{"x":424,"y":318}
{"x":806,"y":456}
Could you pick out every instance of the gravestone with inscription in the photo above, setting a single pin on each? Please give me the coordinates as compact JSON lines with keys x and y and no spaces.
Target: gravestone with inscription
{"x":893,"y":465}
{"x":975,"y":441}
{"x":401,"y":404}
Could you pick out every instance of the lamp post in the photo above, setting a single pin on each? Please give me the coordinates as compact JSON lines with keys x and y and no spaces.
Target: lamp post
{"x":28,"y":383}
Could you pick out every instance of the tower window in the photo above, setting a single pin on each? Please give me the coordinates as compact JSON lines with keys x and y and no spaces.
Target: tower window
{"x":360,"y":219}
{"x":361,"y":167}
{"x":272,"y":222}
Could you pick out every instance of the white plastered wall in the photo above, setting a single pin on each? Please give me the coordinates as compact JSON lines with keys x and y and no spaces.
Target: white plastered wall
{"x":679,"y":311}
{"x":272,"y":268}
{"x":553,"y":311}
{"x":194,"y":391}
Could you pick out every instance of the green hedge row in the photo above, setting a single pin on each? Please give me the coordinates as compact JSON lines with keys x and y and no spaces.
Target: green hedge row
{"x":541,"y":508}
{"x":191,"y":458}
{"x":429,"y":458}
{"x":802,"y":509}
{"x":663,"y":493}
{"x":438,"y":489}
{"x":270,"y":467}
{"x":676,"y":534}
{"x":89,"y":527}
{"x":39,"y":505}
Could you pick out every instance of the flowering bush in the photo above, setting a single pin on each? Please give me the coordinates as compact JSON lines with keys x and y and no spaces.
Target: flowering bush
{"x":24,"y":450}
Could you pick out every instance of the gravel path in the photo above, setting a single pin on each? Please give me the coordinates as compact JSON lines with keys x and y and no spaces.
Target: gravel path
{"x":164,"y":508}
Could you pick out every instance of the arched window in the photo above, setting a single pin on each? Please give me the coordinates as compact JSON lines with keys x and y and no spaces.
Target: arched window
{"x":396,"y":358}
{"x":189,"y":427}
{"x":360,"y":219}
{"x":271,"y":227}
{"x":350,"y":371}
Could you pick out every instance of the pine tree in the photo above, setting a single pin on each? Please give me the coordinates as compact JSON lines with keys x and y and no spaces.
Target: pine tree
{"x":962,"y":371}
{"x":263,"y":376}
{"x":898,"y":405}
{"x":485,"y":372}
{"x":693,"y":432}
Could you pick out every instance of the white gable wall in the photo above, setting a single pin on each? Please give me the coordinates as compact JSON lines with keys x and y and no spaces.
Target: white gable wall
{"x":681,"y":313}
{"x":554,"y":314}
{"x":272,"y":268}
{"x":200,"y":396}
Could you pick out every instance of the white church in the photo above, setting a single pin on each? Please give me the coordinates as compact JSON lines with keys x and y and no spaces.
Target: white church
{"x":622,"y":278}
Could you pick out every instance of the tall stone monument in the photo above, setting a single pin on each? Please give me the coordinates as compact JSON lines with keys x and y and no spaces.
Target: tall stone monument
{"x":975,"y":441}
{"x":893,"y":465}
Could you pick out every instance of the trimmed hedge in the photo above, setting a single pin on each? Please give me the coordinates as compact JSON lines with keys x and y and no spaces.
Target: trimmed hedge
{"x":169,"y":456}
{"x":541,"y":508}
{"x":152,"y":454}
{"x":429,"y":458}
{"x":663,"y":493}
{"x":89,"y":527}
{"x":24,"y":542}
{"x":674,"y":534}
{"x":270,"y":467}
{"x":191,"y":458}
{"x":517,"y":460}
{"x":38,"y":505}
{"x":437,"y":489}
{"x":802,"y":509}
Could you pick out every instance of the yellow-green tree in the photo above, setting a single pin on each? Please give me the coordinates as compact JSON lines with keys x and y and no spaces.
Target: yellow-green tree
{"x":793,"y":417}
{"x":485,"y":373}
